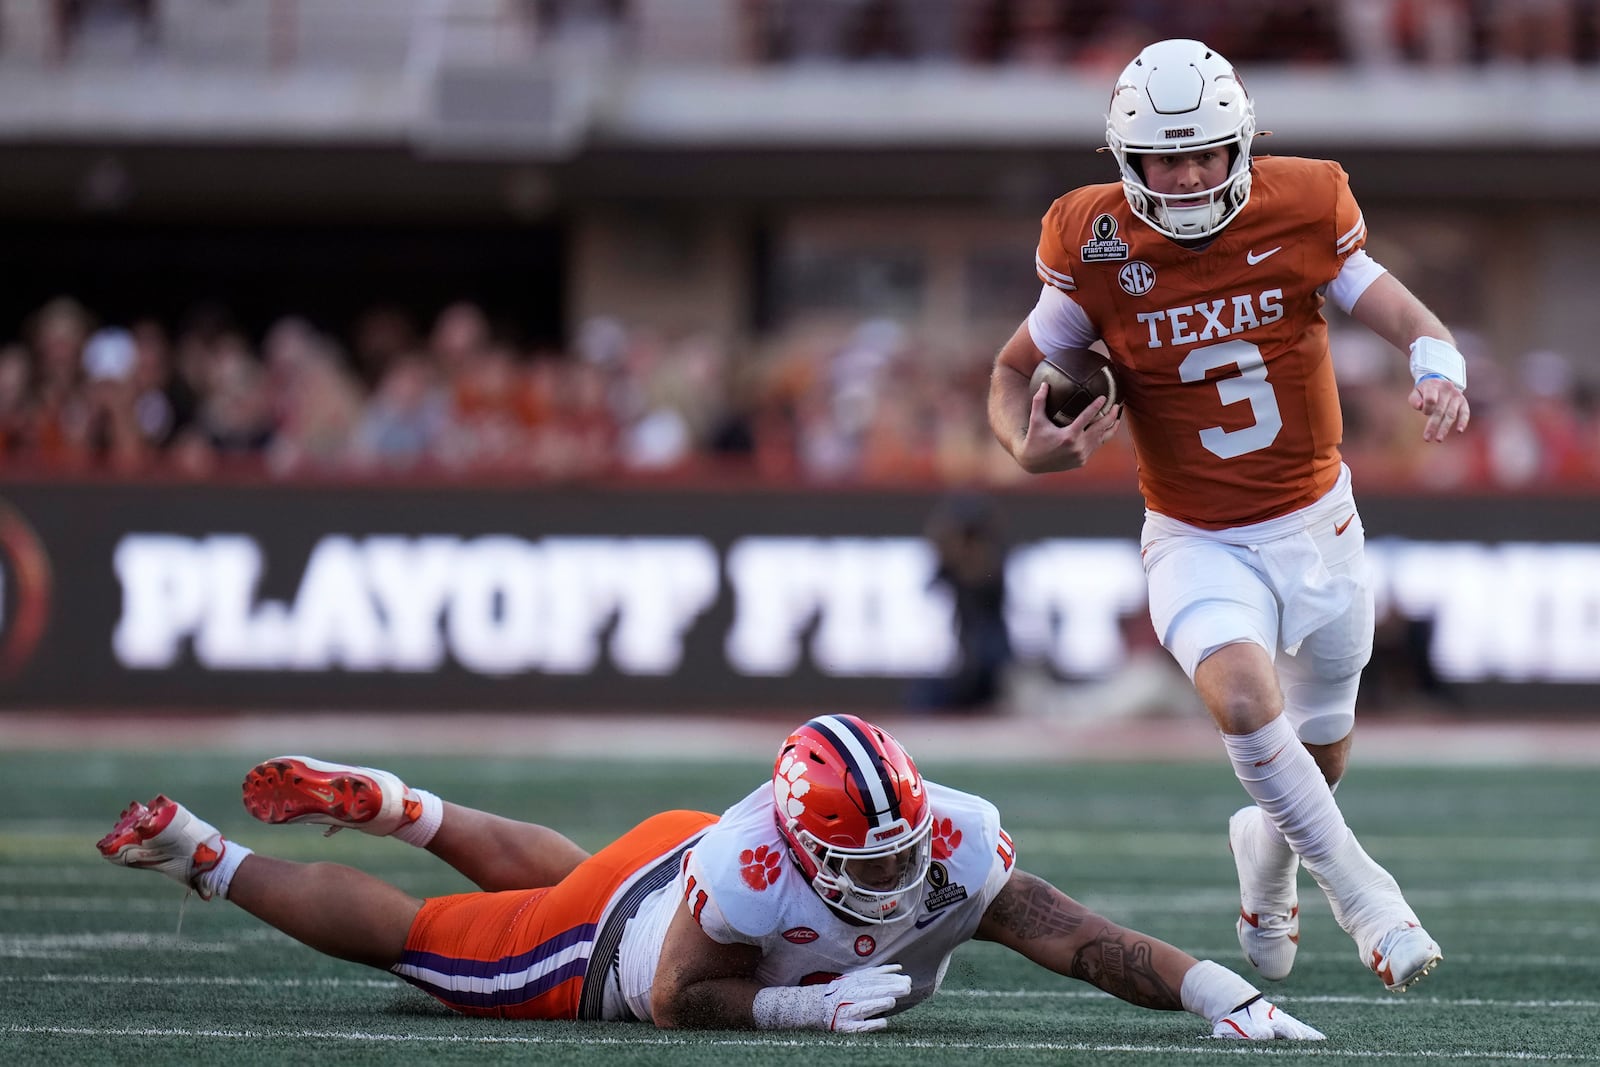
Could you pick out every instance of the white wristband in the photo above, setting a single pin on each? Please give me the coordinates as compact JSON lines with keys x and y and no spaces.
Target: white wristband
{"x":789,"y":1007}
{"x":1211,"y":991}
{"x":1429,"y":355}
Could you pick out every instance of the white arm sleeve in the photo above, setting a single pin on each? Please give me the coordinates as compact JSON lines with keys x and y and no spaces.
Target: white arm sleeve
{"x":1057,"y":323}
{"x":1359,"y":271}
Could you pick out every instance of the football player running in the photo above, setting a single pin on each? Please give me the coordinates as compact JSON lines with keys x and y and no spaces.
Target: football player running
{"x":829,"y":898}
{"x":1203,"y":272}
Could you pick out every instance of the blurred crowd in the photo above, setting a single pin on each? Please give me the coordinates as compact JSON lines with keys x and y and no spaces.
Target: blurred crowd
{"x":1103,"y":34}
{"x":867,"y":402}
{"x":1099,"y":35}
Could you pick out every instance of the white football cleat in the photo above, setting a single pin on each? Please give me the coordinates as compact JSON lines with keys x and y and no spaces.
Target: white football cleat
{"x":288,"y":789}
{"x":165,"y":836}
{"x":1269,"y":903}
{"x":1404,"y":956}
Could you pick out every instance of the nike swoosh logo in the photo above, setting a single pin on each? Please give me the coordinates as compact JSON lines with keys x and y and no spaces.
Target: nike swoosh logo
{"x":1252,"y":259}
{"x":1341,"y":527}
{"x":926,"y":919}
{"x":1269,"y":759}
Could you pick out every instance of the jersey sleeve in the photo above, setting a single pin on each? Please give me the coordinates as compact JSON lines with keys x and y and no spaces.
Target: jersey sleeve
{"x":1053,"y":261}
{"x":1349,"y":225}
{"x":1001,"y":865}
{"x":727,"y":909}
{"x":975,"y":849}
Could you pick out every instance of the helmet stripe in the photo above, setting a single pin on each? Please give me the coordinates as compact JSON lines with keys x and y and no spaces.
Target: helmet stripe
{"x":863,"y":764}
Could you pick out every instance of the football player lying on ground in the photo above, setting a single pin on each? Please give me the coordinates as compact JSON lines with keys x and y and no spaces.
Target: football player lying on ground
{"x":828,"y":898}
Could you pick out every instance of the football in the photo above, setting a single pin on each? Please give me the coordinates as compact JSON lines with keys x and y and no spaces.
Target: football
{"x":1075,"y":379}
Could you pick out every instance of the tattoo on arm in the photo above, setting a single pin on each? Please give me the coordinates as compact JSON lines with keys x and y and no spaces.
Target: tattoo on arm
{"x":1031,"y":908}
{"x":1123,"y":964}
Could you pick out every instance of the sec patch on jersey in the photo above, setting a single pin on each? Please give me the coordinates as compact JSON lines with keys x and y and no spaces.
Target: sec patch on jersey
{"x":1075,"y":378}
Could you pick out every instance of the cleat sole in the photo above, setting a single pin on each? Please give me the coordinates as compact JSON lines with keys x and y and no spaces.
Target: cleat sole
{"x":288,"y":791}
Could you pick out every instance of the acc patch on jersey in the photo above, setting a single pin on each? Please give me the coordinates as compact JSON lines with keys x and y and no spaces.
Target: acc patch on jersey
{"x":941,"y":891}
{"x":1105,"y":246}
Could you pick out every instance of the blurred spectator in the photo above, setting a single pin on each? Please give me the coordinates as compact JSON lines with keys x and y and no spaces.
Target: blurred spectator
{"x":405,"y":424}
{"x":838,"y":30}
{"x":316,"y":402}
{"x":111,"y":433}
{"x":965,"y":536}
{"x":382,"y":335}
{"x":16,"y":374}
{"x":59,"y":424}
{"x":163,"y":403}
{"x":235,"y":416}
{"x":1519,"y":32}
{"x":1384,"y":34}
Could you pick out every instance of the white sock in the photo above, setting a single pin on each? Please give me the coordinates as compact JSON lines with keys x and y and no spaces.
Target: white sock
{"x":1285,"y":782}
{"x":1272,"y":838}
{"x":216,"y":881}
{"x":1283,"y":779}
{"x":420,"y":831}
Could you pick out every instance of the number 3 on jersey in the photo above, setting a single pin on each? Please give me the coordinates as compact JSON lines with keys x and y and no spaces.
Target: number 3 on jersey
{"x":1250,"y":384}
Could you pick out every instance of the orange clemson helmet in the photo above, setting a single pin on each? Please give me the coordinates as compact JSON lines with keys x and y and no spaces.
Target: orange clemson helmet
{"x":854,"y":811}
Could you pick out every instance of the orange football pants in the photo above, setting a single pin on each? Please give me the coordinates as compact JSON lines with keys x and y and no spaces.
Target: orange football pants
{"x":523,"y":953}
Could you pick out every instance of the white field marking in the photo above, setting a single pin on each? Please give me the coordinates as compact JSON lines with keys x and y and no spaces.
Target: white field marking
{"x":54,"y":875}
{"x":832,"y":1041}
{"x":1180,"y":845}
{"x":1197,"y":901}
{"x":102,"y":905}
{"x":208,"y":980}
{"x":1506,"y":963}
{"x":395,"y":984}
{"x":75,"y":946}
{"x":1388,"y":1000}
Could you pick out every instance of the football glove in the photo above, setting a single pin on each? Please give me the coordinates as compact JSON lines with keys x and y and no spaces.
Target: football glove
{"x":851,"y":1001}
{"x":847,"y":1004}
{"x":1258,"y":1019}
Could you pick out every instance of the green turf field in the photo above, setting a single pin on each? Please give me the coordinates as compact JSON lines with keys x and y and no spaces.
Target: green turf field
{"x":1503,"y":865}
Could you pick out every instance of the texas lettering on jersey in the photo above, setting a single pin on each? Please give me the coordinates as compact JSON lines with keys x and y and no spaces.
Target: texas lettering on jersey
{"x":1221,"y":352}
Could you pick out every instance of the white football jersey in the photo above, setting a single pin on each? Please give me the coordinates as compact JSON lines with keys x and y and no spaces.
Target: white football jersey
{"x":743,"y":888}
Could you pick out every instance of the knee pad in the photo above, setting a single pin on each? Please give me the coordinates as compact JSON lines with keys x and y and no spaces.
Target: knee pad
{"x":1322,"y":711}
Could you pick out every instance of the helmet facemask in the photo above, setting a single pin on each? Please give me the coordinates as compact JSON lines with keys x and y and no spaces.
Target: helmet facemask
{"x":873,"y":884}
{"x":1178,"y":97}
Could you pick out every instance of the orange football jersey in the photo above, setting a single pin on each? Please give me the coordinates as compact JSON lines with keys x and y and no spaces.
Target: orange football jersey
{"x":1221,"y":352}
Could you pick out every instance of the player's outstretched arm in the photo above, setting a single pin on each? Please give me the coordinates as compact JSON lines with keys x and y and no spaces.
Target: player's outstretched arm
{"x":1020,"y":423}
{"x":1034,"y":918}
{"x":1393,"y":312}
{"x":703,"y":984}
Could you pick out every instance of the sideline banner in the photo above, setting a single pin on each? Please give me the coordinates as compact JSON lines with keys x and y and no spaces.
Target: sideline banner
{"x":169,"y":596}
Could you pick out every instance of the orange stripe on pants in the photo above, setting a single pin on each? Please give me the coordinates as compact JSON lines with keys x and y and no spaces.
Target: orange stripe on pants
{"x":522,"y":953}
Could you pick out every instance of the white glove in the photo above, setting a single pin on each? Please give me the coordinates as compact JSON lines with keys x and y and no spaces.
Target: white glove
{"x":1258,"y":1019}
{"x":853,"y":999}
{"x":846,"y":1005}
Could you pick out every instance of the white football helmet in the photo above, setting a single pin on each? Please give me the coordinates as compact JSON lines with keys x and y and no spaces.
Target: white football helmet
{"x":1180,"y":96}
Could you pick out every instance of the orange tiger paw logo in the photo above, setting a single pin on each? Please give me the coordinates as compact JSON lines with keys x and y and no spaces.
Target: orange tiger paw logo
{"x":759,"y":867}
{"x":946,"y":838}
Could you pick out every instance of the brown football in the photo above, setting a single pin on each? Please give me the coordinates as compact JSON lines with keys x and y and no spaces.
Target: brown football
{"x":1075,"y":379}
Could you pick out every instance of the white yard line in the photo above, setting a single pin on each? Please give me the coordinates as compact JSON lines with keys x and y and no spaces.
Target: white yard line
{"x":829,"y":1041}
{"x":395,"y":985}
